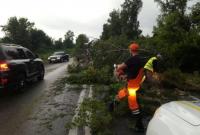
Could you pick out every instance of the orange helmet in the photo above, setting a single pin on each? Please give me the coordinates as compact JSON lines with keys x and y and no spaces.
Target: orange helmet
{"x":134,"y":47}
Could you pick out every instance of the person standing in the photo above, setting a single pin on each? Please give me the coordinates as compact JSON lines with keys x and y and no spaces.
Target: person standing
{"x":151,"y":69}
{"x":133,"y":72}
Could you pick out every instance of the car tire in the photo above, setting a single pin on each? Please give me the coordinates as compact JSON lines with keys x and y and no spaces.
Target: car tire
{"x":41,"y":73}
{"x":21,"y":82}
{"x":62,"y":60}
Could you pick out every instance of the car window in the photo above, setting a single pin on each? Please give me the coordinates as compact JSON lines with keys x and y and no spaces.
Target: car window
{"x":58,"y":53}
{"x":1,"y":55}
{"x":11,"y":52}
{"x":21,"y":54}
{"x":29,"y":54}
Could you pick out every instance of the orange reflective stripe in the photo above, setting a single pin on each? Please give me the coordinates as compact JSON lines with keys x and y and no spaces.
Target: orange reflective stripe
{"x":122,"y":93}
{"x":133,"y":104}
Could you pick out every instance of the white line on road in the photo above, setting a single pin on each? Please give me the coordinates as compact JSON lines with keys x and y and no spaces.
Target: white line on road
{"x":74,"y":131}
{"x":87,"y":129}
{"x":83,"y":95}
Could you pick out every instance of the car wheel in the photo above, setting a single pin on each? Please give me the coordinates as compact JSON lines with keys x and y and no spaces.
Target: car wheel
{"x":62,"y":60}
{"x":21,"y":82}
{"x":41,"y":73}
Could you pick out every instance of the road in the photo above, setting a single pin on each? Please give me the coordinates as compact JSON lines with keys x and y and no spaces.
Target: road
{"x":42,"y":109}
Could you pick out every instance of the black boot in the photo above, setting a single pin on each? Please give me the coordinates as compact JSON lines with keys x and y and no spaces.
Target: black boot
{"x":112,"y":105}
{"x":139,"y":126}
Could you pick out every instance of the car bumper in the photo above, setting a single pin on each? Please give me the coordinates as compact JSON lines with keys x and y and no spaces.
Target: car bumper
{"x":54,"y":60}
{"x":7,"y":80}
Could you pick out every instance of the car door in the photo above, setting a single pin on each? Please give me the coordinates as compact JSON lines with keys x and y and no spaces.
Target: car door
{"x":31,"y":63}
{"x":24,"y":61}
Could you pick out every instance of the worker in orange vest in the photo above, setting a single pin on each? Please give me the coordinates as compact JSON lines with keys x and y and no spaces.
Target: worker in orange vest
{"x":132,"y":71}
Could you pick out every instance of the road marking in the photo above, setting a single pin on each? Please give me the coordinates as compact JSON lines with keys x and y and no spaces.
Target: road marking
{"x":74,"y":131}
{"x":87,"y":129}
{"x":82,"y":96}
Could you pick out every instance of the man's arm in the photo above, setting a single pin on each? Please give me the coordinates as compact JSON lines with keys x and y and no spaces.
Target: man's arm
{"x":121,"y":67}
{"x":119,"y":71}
{"x":155,"y":66}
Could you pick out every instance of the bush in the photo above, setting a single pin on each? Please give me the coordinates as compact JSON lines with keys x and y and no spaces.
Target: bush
{"x":173,"y":78}
{"x":90,"y":75}
{"x":73,"y":68}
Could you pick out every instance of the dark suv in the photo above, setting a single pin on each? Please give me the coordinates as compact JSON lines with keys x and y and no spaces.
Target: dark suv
{"x":60,"y":56}
{"x":18,"y":65}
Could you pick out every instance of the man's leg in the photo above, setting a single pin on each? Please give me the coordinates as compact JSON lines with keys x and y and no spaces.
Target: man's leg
{"x":136,"y":114}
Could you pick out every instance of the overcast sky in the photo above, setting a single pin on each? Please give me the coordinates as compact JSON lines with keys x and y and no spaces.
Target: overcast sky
{"x":56,"y":17}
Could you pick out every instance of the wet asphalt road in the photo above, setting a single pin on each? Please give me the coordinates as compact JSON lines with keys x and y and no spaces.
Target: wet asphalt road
{"x":40,"y":109}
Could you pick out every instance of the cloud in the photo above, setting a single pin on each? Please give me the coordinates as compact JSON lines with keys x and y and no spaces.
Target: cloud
{"x":147,"y":16}
{"x":58,"y":26}
{"x":55,"y":17}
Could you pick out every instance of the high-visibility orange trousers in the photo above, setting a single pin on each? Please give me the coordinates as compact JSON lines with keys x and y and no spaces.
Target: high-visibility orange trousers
{"x":132,"y":87}
{"x":132,"y":99}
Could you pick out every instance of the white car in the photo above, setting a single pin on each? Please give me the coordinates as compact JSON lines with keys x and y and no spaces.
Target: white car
{"x":176,"y":118}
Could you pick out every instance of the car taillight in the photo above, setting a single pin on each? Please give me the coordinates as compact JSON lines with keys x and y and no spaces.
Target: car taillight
{"x":4,"y":66}
{"x":3,"y":81}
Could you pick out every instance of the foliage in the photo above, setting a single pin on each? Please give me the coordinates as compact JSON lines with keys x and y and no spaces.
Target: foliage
{"x":39,"y":40}
{"x":90,"y":75}
{"x":73,"y":68}
{"x":123,"y":22}
{"x":21,"y":31}
{"x":176,"y":36}
{"x":168,"y":6}
{"x":195,"y":16}
{"x":113,"y":27}
{"x":81,"y":49}
{"x":93,"y":113}
{"x":173,"y":74}
{"x":18,"y":31}
{"x":129,"y":14}
{"x":68,"y":40}
{"x":109,"y":52}
{"x":58,"y":43}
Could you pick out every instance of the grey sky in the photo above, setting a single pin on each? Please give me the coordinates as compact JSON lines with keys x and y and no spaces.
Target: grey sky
{"x":56,"y":17}
{"x":148,"y":15}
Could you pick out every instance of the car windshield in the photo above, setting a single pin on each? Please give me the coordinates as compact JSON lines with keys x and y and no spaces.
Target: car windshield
{"x":59,"y":53}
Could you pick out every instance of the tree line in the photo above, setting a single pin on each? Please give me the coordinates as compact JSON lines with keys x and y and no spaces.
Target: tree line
{"x":22,"y":31}
{"x":176,"y":35}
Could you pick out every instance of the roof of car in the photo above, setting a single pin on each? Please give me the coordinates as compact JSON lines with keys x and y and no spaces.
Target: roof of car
{"x":59,"y":52}
{"x":10,"y":45}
